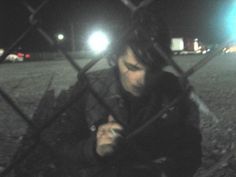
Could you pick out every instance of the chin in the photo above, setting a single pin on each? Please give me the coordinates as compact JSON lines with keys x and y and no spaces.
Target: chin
{"x":137,"y":94}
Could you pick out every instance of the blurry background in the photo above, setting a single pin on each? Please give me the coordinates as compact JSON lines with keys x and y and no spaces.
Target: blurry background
{"x":71,"y":22}
{"x":206,"y":20}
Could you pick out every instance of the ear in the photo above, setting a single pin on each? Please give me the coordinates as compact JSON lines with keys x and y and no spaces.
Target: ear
{"x":111,"y":118}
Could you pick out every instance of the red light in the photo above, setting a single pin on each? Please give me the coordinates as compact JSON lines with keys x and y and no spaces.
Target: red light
{"x":27,"y":56}
{"x":20,"y":55}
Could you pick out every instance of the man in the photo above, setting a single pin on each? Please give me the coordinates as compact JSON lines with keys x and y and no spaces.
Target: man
{"x":103,"y":139}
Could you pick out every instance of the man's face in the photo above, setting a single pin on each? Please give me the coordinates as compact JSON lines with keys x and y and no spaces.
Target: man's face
{"x":132,"y":73}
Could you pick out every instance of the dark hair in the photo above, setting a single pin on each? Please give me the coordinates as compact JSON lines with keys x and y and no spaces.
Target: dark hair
{"x":146,"y":31}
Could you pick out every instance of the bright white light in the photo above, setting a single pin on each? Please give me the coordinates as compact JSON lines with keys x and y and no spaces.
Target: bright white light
{"x":60,"y":37}
{"x":231,"y":20}
{"x":98,"y":42}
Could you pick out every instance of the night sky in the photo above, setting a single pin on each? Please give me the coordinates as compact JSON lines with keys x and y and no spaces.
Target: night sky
{"x":203,"y":19}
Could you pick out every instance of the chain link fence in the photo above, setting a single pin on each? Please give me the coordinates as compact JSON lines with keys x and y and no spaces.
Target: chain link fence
{"x":39,"y":130}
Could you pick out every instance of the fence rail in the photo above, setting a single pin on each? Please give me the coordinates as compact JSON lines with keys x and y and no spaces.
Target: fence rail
{"x":34,"y":26}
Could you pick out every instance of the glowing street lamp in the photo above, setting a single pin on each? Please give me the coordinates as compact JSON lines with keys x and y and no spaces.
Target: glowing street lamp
{"x":60,"y":37}
{"x":98,"y":42}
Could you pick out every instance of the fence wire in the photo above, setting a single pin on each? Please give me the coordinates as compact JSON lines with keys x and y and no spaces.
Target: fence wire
{"x":82,"y":72}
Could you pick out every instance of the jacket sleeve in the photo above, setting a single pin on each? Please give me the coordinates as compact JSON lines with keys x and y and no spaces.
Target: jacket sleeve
{"x":186,"y":157}
{"x":77,"y":141}
{"x":81,"y":150}
{"x":85,"y":116}
{"x":66,"y":142}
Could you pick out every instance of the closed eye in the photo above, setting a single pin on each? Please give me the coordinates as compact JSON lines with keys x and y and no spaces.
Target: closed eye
{"x":132,"y":67}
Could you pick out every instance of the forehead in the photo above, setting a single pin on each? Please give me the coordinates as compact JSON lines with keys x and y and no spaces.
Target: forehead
{"x":131,"y":58}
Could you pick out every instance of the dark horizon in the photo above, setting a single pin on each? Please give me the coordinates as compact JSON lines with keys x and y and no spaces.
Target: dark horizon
{"x":194,"y":18}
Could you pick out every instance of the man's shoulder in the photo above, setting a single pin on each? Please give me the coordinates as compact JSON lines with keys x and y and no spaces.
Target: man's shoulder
{"x":170,"y":84}
{"x":96,"y":79}
{"x":103,"y":80}
{"x":169,"y":77}
{"x":107,"y":73}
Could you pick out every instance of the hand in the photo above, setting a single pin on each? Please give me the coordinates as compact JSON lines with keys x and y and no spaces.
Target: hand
{"x":107,"y":137}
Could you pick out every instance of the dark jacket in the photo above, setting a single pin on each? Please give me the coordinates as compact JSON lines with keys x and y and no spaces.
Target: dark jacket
{"x":171,"y":144}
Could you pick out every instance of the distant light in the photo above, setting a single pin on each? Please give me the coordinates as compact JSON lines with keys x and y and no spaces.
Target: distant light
{"x":98,"y":42}
{"x":195,"y":45}
{"x":177,"y":44}
{"x":231,"y":20}
{"x":1,"y":51}
{"x":60,"y":37}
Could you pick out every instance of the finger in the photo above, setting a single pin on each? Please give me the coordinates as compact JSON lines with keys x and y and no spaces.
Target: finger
{"x":113,"y":123}
{"x":100,"y":129}
{"x":105,"y":139}
{"x":100,"y":133}
{"x":115,"y":133}
{"x":110,"y":134}
{"x":102,"y":141}
{"x":110,"y":125}
{"x":116,"y":126}
{"x":111,"y":118}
